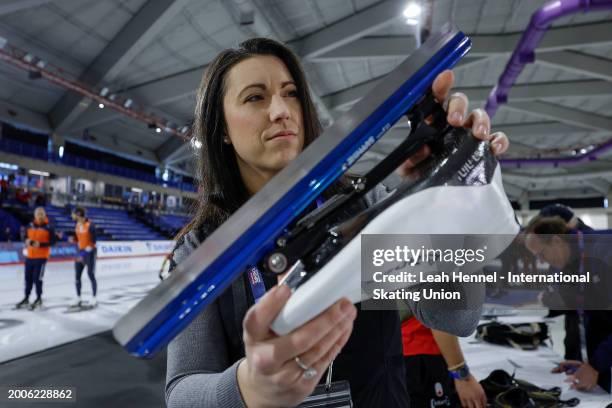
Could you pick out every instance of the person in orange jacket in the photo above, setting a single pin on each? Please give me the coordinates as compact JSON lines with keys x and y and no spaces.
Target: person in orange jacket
{"x":85,"y":233}
{"x":40,"y":236}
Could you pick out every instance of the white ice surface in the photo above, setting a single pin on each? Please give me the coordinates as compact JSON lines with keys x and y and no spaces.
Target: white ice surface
{"x":121,"y":283}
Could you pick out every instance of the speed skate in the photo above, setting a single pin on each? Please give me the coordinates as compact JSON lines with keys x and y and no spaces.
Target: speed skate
{"x":272,"y":231}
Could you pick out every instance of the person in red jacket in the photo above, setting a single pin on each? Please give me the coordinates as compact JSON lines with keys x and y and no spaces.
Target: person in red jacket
{"x":436,"y":372}
{"x":85,"y":233}
{"x":40,"y":236}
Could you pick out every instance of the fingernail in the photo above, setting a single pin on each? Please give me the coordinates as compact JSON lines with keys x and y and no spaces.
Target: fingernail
{"x":456,"y":117}
{"x":482,"y":130}
{"x":346,"y":307}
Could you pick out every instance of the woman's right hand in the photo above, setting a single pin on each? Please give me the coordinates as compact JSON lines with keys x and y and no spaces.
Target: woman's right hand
{"x":269,"y":376}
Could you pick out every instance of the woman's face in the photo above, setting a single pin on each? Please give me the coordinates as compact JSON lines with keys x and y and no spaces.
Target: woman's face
{"x":263,"y":116}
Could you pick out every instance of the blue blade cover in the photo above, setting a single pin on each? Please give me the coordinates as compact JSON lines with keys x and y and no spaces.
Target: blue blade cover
{"x":251,"y":231}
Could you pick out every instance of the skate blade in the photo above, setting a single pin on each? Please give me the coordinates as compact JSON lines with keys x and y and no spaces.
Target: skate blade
{"x":249,"y":233}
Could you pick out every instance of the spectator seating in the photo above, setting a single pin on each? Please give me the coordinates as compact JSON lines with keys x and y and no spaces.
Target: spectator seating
{"x":111,"y":225}
{"x":38,"y":152}
{"x":172,"y":223}
{"x":7,"y":220}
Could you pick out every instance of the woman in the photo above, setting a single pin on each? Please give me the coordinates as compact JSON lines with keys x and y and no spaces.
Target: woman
{"x":253,"y":116}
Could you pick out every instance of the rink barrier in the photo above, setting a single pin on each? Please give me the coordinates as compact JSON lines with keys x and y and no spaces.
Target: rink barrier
{"x":11,"y":253}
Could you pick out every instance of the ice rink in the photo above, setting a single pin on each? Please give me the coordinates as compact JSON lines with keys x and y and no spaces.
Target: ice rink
{"x":121,"y":283}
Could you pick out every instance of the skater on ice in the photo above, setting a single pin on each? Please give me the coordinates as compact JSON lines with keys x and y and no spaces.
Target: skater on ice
{"x":85,"y":235}
{"x":40,"y":236}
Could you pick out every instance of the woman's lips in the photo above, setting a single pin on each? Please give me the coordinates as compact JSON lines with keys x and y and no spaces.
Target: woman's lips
{"x":283,"y":135}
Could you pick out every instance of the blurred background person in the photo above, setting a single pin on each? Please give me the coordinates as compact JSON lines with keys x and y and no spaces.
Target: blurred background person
{"x":85,"y":235}
{"x":40,"y":236}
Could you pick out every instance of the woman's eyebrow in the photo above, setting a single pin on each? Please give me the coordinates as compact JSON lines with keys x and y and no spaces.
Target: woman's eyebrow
{"x":257,"y":85}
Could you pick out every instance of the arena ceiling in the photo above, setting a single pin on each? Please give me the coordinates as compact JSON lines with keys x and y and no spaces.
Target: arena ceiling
{"x":154,"y":52}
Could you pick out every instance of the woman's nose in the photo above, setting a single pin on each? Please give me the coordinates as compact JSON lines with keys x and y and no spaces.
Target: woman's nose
{"x":279,"y":108}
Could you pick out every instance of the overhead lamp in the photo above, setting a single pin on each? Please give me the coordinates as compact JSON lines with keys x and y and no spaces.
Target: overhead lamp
{"x":61,"y":151}
{"x":412,"y":10}
{"x":8,"y":166}
{"x":29,"y":58}
{"x":412,"y":13}
{"x":3,"y":43}
{"x":158,"y":130}
{"x":583,"y":151}
{"x":185,"y":129}
{"x":39,"y":173}
{"x":104,"y":91}
{"x":128,"y":103}
{"x":41,"y":64}
{"x":112,"y":97}
{"x":101,"y":106}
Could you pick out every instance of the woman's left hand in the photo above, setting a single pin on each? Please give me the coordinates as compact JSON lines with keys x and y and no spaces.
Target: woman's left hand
{"x":456,"y":107}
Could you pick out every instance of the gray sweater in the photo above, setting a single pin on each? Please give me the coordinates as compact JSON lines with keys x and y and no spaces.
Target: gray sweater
{"x":199,"y":370}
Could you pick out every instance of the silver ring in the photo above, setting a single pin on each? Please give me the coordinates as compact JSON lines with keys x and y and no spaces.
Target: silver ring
{"x":309,"y":372}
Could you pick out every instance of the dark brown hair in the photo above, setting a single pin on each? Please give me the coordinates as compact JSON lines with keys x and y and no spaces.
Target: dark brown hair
{"x":222,"y":190}
{"x":546,"y":227}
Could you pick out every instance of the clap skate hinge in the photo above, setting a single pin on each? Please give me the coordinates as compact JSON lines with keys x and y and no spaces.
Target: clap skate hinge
{"x":313,"y":239}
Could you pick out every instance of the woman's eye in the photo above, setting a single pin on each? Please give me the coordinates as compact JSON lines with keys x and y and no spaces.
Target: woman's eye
{"x":293,"y":93}
{"x":253,"y":98}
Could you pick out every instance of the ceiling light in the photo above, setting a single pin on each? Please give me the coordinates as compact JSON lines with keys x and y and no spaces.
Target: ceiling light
{"x":583,"y":151}
{"x":412,"y":11}
{"x":101,"y":106}
{"x":61,"y":151}
{"x":3,"y":42}
{"x":412,"y":21}
{"x":104,"y":91}
{"x":39,"y":173}
{"x":128,"y":103}
{"x":29,"y":58}
{"x":8,"y":166}
{"x":158,"y":130}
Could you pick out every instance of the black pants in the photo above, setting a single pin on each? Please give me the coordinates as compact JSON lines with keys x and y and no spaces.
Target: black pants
{"x":89,"y":260}
{"x":429,"y":383}
{"x":34,"y":273}
{"x":572,"y":336}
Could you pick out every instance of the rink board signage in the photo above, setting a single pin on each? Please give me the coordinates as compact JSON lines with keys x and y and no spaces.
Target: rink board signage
{"x":13,"y":252}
